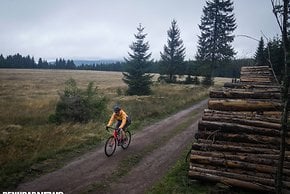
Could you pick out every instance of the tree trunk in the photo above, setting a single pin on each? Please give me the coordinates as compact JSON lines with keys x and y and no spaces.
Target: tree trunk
{"x":236,"y":149}
{"x":244,"y":94}
{"x":244,"y":105}
{"x":244,"y":121}
{"x":229,"y":181}
{"x":250,"y":86}
{"x":252,"y":158}
{"x":236,"y":128}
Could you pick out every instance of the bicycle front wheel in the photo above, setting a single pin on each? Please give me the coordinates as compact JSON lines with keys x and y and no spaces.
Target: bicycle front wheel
{"x":110,"y":146}
{"x":127,"y":140}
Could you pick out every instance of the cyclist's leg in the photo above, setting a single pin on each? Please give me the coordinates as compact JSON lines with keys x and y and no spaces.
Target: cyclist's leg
{"x":118,"y":124}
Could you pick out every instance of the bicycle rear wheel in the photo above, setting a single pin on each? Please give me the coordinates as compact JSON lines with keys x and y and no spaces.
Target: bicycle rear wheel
{"x":110,"y":146}
{"x":127,"y":140}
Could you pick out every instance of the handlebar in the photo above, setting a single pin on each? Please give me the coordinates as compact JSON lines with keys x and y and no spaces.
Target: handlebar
{"x":110,"y":128}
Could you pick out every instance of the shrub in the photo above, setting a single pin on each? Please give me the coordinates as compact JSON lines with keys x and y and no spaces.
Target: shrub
{"x":207,"y":81}
{"x":76,"y":105}
{"x":196,"y":80}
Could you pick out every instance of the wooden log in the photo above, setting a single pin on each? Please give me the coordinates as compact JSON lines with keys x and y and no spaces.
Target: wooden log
{"x":264,"y":80}
{"x":242,"y":177}
{"x":254,"y":123}
{"x":270,"y":156}
{"x":244,"y":105}
{"x":238,"y":171}
{"x":233,"y":148}
{"x":256,"y":90}
{"x":230,"y":181}
{"x":251,"y":158}
{"x":267,"y":146}
{"x":258,"y":73}
{"x":267,"y":116}
{"x":249,"y":86}
{"x":244,"y":94}
{"x":236,"y":164}
{"x":236,"y":128}
{"x":242,"y":137}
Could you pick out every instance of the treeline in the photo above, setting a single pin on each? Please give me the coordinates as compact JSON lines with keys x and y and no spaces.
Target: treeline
{"x":28,"y":62}
{"x":191,"y":68}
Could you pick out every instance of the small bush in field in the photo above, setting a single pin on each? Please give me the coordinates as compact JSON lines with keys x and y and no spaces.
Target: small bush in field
{"x":76,"y":105}
{"x":207,"y":81}
{"x":196,"y":80}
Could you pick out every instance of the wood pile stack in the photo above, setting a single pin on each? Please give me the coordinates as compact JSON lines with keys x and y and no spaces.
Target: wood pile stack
{"x":238,"y":137}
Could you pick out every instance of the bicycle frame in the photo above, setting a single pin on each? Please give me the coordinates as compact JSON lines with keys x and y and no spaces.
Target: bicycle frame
{"x":115,"y":133}
{"x":115,"y":140}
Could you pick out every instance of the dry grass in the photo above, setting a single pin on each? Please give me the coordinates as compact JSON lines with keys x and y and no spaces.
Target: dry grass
{"x":28,"y":97}
{"x":27,"y":94}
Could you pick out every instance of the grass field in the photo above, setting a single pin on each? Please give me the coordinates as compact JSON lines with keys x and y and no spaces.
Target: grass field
{"x":30,"y":145}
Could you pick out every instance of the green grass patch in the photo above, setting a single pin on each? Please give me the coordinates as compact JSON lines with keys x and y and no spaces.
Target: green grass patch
{"x":176,"y":181}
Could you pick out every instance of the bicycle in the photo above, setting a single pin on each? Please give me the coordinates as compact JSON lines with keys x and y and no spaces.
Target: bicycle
{"x":115,"y":140}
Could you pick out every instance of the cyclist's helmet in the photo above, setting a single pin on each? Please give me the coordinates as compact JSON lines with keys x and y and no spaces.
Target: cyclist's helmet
{"x":117,"y":108}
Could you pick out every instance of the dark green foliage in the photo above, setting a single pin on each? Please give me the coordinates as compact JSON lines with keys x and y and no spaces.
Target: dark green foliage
{"x":138,"y":81}
{"x":76,"y":105}
{"x":217,"y":25}
{"x":261,"y":54}
{"x":195,"y":80}
{"x":18,"y":61}
{"x":275,"y":48}
{"x":207,"y":80}
{"x":172,"y":58}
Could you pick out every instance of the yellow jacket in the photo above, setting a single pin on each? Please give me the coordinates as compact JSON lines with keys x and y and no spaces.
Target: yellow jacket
{"x":121,"y":116}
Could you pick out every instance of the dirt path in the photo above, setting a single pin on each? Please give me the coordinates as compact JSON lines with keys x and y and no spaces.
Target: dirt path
{"x":151,"y":153}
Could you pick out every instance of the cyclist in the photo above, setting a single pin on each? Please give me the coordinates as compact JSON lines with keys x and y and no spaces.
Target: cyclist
{"x":123,"y":120}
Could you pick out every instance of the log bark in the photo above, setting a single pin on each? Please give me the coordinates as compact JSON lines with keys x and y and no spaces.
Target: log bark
{"x":267,"y":146}
{"x":264,"y":80}
{"x":236,"y":128}
{"x":267,"y":116}
{"x":243,"y":138}
{"x":249,"y":86}
{"x":241,"y":177}
{"x":251,"y":158}
{"x":244,"y":105}
{"x":238,"y":171}
{"x":244,"y":94}
{"x":229,"y":181}
{"x":254,"y":123}
{"x":236,"y":164}
{"x":233,"y":148}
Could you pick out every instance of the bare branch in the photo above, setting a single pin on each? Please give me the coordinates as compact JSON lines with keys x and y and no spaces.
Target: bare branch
{"x":276,"y":10}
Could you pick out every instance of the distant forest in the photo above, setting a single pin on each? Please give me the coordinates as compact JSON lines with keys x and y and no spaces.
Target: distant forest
{"x":190,"y":67}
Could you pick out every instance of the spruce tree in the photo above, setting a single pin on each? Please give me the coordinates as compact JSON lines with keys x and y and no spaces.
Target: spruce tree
{"x":172,"y":58}
{"x":217,"y":25}
{"x":275,"y":47}
{"x":136,"y":78}
{"x":260,"y":55}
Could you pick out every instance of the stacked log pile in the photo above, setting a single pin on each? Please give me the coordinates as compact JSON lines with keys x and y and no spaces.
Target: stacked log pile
{"x":238,"y":137}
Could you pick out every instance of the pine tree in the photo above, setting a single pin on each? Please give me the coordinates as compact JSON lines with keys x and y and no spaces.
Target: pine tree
{"x":275,"y":47}
{"x":217,"y":25}
{"x":260,"y":55}
{"x":172,"y":58}
{"x":136,"y":78}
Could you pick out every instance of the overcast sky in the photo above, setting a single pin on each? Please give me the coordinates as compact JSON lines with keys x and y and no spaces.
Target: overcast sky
{"x":104,"y":29}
